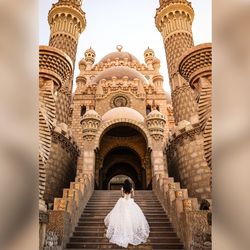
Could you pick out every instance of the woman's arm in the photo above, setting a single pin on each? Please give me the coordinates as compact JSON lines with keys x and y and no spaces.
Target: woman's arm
{"x":133,"y":193}
{"x":122,"y":193}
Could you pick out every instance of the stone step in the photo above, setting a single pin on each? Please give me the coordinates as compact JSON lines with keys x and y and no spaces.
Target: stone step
{"x":100,"y":220}
{"x":101,"y":217}
{"x":90,"y":231}
{"x":101,"y":233}
{"x":151,"y":223}
{"x":93,"y":245}
{"x":102,"y":228}
{"x":103,"y":239}
{"x":100,"y":213}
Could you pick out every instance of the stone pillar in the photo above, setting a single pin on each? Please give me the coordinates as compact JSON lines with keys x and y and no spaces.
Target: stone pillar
{"x":174,"y":20}
{"x":90,"y":123}
{"x":156,"y":123}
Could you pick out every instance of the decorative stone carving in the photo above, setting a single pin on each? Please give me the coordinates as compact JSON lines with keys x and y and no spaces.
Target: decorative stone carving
{"x":156,"y":122}
{"x":119,"y":101}
{"x":55,"y":65}
{"x":61,"y":134}
{"x":51,"y":239}
{"x":178,"y":194}
{"x":90,"y":123}
{"x":187,"y":205}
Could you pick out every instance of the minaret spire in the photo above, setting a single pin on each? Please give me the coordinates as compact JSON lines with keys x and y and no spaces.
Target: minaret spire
{"x":67,"y":21}
{"x":174,"y":20}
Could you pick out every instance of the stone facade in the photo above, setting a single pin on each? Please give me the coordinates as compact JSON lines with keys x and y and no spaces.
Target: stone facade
{"x":121,"y":122}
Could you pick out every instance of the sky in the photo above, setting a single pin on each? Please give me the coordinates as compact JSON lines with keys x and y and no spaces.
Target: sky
{"x":129,"y":23}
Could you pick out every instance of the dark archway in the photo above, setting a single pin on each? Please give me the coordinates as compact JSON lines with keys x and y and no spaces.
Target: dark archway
{"x":122,"y":151}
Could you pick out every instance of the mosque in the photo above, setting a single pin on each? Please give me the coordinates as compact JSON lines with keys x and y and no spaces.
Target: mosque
{"x":120,"y":123}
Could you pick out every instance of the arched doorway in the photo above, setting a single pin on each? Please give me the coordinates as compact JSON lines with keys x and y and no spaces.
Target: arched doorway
{"x":123,"y":151}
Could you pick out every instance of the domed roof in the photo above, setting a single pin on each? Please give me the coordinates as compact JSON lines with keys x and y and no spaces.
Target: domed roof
{"x":119,"y":54}
{"x":123,"y":112}
{"x":149,"y":52}
{"x":120,"y":72}
{"x":155,"y":114}
{"x":90,"y":50}
{"x":91,"y":114}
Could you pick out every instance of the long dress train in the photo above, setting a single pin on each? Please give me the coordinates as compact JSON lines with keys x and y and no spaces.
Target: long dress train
{"x":126,"y":223}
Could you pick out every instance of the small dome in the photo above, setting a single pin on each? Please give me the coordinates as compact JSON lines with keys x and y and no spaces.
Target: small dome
{"x":120,"y":55}
{"x":90,"y":55}
{"x":149,"y":53}
{"x":123,"y":112}
{"x":90,"y":50}
{"x":155,"y":114}
{"x":91,"y":114}
{"x":82,"y":64}
{"x":120,"y":72}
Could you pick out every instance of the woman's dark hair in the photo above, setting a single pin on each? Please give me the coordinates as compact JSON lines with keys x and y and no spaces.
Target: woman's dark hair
{"x":127,"y":186}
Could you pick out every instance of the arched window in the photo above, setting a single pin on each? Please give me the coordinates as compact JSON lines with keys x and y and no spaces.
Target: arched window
{"x":83,"y":110}
{"x":148,"y":109}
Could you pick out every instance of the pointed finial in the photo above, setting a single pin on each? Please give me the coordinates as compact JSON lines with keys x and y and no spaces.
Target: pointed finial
{"x":119,"y":48}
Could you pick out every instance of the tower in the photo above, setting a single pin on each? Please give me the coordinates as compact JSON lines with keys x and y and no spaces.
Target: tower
{"x":67,"y":21}
{"x":149,"y":56}
{"x":89,"y":58}
{"x":174,"y":20}
{"x":185,"y":150}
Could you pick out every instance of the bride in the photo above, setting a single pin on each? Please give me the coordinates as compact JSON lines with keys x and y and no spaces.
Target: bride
{"x":126,"y":223}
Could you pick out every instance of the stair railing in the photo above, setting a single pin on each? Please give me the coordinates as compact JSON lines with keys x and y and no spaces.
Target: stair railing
{"x":190,"y":222}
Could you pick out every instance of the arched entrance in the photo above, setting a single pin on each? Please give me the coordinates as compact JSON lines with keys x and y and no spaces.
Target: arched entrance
{"x":123,"y":151}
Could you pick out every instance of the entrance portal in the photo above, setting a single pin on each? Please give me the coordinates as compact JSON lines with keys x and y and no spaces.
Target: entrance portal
{"x":123,"y":153}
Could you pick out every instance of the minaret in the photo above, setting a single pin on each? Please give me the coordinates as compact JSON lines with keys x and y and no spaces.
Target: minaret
{"x":89,"y":58}
{"x":67,"y":21}
{"x":149,"y":56}
{"x":174,"y":20}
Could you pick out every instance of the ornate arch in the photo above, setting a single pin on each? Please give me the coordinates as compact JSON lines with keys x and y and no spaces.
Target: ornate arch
{"x":122,"y":121}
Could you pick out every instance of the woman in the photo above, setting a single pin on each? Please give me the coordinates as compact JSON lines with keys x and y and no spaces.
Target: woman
{"x":126,"y":223}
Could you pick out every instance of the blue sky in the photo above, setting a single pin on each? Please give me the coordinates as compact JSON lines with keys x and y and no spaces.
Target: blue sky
{"x":129,"y":23}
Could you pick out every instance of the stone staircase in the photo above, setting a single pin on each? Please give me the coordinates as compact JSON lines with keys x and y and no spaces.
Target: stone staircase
{"x":90,"y":231}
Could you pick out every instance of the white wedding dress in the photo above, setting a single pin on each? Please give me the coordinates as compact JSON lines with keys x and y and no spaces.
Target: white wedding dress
{"x":126,"y":223}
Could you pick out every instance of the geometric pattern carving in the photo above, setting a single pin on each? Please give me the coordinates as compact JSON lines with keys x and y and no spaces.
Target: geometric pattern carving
{"x":46,"y":119}
{"x":196,"y":61}
{"x":184,"y":103}
{"x":65,"y":43}
{"x":195,"y":66}
{"x":55,"y":65}
{"x":175,"y":46}
{"x":63,"y":101}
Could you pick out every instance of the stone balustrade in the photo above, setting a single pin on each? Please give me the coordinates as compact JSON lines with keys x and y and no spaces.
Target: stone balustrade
{"x":68,"y":209}
{"x":191,"y":223}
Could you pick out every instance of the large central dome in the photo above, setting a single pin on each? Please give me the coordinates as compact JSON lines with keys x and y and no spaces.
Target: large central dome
{"x":120,"y":72}
{"x":120,"y":55}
